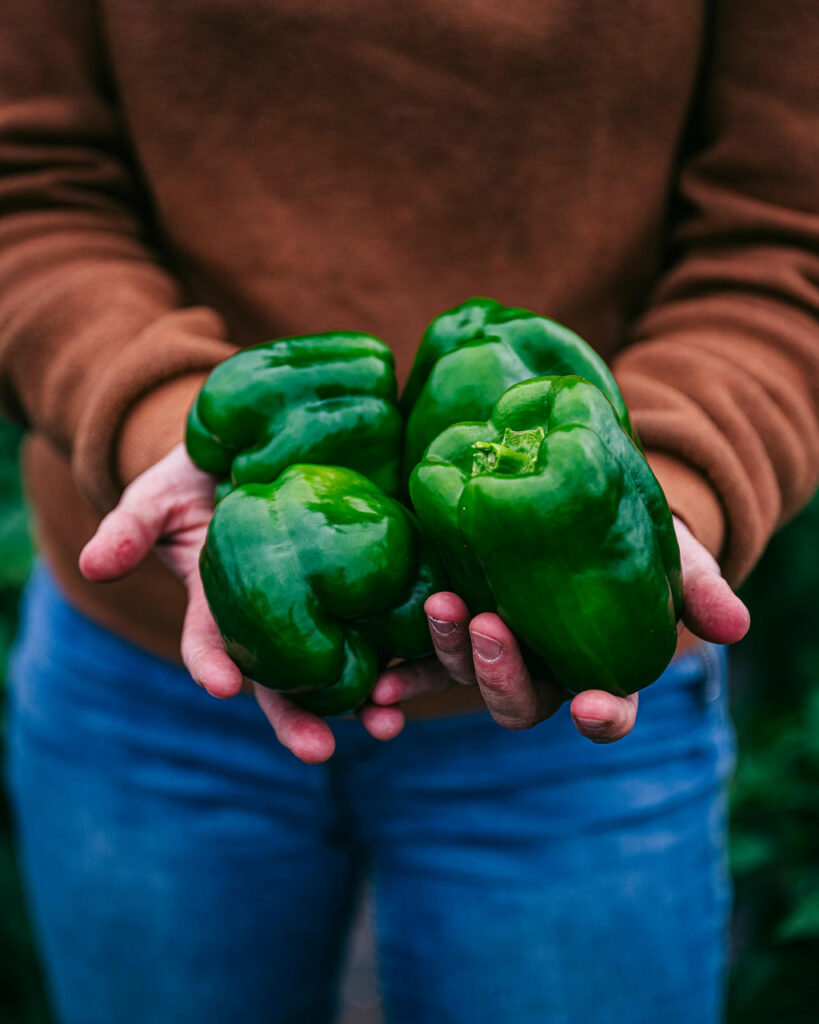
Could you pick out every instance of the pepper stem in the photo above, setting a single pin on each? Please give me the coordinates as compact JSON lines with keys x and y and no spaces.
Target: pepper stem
{"x":515,"y":455}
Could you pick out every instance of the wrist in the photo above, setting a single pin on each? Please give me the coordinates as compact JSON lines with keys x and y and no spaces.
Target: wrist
{"x":154,"y":425}
{"x":692,"y":499}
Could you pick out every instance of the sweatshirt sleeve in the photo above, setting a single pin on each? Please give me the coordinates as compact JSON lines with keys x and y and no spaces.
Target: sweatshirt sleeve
{"x":94,"y":330}
{"x":722,"y":373}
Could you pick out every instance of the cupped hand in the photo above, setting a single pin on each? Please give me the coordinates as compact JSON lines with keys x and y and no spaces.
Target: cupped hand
{"x":483,"y":652}
{"x":167,"y":510}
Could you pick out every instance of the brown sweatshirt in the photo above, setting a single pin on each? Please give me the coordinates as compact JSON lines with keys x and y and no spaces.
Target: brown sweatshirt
{"x":177,"y":179}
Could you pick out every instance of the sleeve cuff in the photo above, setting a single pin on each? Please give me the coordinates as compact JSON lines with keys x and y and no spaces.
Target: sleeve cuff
{"x":154,"y":425}
{"x":136,"y":412}
{"x":692,"y":499}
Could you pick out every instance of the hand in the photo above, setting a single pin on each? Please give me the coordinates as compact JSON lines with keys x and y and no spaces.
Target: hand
{"x":167,"y":509}
{"x":484,"y":652}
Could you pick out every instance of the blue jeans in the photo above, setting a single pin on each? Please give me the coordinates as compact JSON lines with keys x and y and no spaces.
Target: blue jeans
{"x":183,"y":867}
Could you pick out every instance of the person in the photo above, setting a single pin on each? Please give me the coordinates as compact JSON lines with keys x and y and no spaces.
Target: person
{"x":181,"y":181}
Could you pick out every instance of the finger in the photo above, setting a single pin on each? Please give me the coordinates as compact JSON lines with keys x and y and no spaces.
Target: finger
{"x":410,"y":679}
{"x":382,"y":723}
{"x":203,"y":651}
{"x":602,"y":717}
{"x":303,"y":733}
{"x":448,"y":626}
{"x":125,"y":536}
{"x":712,"y":610}
{"x":512,"y":697}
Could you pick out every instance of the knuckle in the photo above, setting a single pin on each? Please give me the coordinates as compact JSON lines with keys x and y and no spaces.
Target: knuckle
{"x":195,"y":658}
{"x":457,"y":667}
{"x":125,"y":549}
{"x":463,"y":678}
{"x":408,"y":685}
{"x":510,"y":699}
{"x":450,"y":643}
{"x":500,"y":678}
{"x":516,"y":721}
{"x":497,"y":688}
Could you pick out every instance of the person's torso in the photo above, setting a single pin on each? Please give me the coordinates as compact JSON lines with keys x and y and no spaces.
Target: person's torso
{"x":355,"y":164}
{"x":347,"y":164}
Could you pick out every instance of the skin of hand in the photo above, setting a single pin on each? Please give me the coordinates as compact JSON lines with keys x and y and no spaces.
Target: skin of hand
{"x":167,"y":510}
{"x":482,"y":651}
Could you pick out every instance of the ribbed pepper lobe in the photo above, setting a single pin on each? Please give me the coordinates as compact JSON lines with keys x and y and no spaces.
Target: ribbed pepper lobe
{"x":327,"y":399}
{"x":471,"y":354}
{"x":315,"y":581}
{"x":549,"y":515}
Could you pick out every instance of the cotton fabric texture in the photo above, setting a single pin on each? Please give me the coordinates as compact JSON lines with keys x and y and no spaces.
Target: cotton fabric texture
{"x":180,"y":179}
{"x":182,"y":866}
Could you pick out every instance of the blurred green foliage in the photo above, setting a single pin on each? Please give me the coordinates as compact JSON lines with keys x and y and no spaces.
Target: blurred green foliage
{"x":21,"y":993}
{"x":15,"y":545}
{"x":775,"y":806}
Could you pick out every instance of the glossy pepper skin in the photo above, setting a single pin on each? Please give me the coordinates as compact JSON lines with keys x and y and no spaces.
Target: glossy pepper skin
{"x":326,"y":398}
{"x":316,"y":581}
{"x":471,"y":354}
{"x":549,"y":514}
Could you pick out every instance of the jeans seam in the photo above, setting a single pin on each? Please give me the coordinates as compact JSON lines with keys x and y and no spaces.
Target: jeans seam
{"x":712,"y":679}
{"x":376,"y":925}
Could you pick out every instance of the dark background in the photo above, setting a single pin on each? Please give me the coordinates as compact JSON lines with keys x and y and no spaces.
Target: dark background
{"x":775,"y":795}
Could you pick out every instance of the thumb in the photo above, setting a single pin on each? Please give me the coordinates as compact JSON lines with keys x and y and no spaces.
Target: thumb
{"x":712,"y":610}
{"x":125,"y":536}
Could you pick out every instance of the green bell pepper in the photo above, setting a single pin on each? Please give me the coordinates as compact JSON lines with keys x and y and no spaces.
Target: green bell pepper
{"x":471,"y":354}
{"x":328,"y":399}
{"x":316,"y":581}
{"x":550,"y":515}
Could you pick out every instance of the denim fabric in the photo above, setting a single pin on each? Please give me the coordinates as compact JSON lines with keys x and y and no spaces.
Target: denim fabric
{"x":182,"y":867}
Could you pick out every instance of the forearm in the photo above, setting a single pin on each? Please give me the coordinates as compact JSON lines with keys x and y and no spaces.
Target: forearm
{"x":722,"y":376}
{"x":91,"y":322}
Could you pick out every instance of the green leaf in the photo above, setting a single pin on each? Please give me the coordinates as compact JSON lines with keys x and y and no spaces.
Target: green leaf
{"x":803,"y":921}
{"x":750,"y":852}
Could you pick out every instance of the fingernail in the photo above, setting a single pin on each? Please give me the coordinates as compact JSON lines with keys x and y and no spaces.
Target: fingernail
{"x":441,"y":626}
{"x":486,"y":647}
{"x":592,"y":724}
